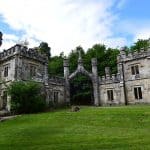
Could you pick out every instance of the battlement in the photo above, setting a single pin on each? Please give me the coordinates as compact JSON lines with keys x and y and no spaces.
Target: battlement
{"x":132,"y":56}
{"x":23,"y":51}
{"x":56,"y":80}
{"x":114,"y":78}
{"x":108,"y":78}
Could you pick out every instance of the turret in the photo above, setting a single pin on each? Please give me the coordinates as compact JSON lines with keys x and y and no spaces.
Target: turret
{"x":94,"y":66}
{"x":66,"y":68}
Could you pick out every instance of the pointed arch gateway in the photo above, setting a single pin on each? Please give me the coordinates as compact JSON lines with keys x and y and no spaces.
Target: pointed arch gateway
{"x":81,"y":70}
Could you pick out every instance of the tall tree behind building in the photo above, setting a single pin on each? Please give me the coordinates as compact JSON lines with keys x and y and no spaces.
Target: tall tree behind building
{"x":1,"y":34}
{"x":44,"y":48}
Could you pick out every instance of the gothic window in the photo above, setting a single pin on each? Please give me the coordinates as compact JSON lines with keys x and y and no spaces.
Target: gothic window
{"x":32,"y":71}
{"x":6,"y":71}
{"x":110,"y":95}
{"x":138,"y":93}
{"x":135,"y":70}
{"x":55,"y":97}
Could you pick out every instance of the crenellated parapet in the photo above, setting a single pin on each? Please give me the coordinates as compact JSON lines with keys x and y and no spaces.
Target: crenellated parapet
{"x":56,"y":80}
{"x":123,"y":57}
{"x":109,"y":78}
{"x":114,"y":78}
{"x":23,"y":51}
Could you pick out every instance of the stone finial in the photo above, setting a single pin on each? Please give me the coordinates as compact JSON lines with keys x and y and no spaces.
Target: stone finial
{"x":66,"y":63}
{"x":1,"y":34}
{"x":103,"y":78}
{"x":130,"y":55}
{"x":149,"y":41}
{"x":107,"y":71}
{"x":80,"y":62}
{"x":94,"y":61}
{"x":122,"y":52}
{"x":113,"y":77}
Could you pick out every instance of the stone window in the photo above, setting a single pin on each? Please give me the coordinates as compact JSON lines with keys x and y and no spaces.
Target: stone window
{"x":55,"y":97}
{"x":135,"y":70}
{"x":32,"y":71}
{"x":6,"y":71}
{"x":138,"y":93}
{"x":110,"y":95}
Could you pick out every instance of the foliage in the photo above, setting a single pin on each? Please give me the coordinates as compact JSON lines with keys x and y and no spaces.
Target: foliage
{"x":81,"y":87}
{"x":81,"y":90}
{"x":105,"y":58}
{"x":73,"y":58}
{"x":26,"y":97}
{"x":55,"y":66}
{"x":45,"y":49}
{"x":1,"y":38}
{"x":140,"y":44}
{"x":92,"y":128}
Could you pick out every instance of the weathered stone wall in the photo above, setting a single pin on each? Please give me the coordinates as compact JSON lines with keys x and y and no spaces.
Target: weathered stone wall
{"x":125,"y":81}
{"x":28,"y":64}
{"x":116,"y":93}
{"x":20,"y":60}
{"x":142,"y":79}
{"x":56,"y":85}
{"x":145,"y":87}
{"x":11,"y":67}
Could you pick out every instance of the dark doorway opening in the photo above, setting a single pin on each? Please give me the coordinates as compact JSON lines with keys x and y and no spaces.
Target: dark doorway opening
{"x":81,"y":90}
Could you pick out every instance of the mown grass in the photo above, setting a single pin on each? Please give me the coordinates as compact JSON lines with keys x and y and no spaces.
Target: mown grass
{"x":93,"y":128}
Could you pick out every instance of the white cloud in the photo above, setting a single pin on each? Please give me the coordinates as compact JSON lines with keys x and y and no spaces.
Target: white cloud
{"x":143,"y":33}
{"x":134,"y":29}
{"x":64,"y":24}
{"x":117,"y":42}
{"x":9,"y":40}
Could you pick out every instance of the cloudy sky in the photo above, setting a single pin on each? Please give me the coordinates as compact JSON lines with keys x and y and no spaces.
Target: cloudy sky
{"x":65,"y":24}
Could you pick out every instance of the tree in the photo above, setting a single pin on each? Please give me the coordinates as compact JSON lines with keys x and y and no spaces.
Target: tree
{"x":1,"y":38}
{"x":73,"y":57}
{"x":97,"y":51}
{"x":140,"y":44}
{"x":105,"y":57}
{"x":81,"y":90}
{"x":55,"y":65}
{"x":45,"y":49}
{"x":26,"y":97}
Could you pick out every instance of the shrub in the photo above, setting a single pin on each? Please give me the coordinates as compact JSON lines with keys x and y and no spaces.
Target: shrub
{"x":26,"y":97}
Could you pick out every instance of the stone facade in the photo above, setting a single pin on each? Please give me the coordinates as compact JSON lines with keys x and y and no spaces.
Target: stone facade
{"x":130,"y":85}
{"x":20,"y":63}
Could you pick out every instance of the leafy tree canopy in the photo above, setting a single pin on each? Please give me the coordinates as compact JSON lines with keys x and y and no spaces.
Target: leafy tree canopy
{"x":55,"y":65}
{"x":1,"y":38}
{"x":26,"y":97}
{"x":107,"y":57}
{"x":140,"y":44}
{"x":45,"y":49}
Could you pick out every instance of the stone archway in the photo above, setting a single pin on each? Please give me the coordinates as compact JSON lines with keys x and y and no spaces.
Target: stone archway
{"x":80,"y":69}
{"x":81,"y":90}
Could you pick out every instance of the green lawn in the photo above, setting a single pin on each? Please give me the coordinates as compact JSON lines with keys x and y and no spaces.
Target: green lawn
{"x":93,"y":128}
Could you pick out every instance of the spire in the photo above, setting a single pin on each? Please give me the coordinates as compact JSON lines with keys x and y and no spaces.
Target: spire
{"x":80,"y":62}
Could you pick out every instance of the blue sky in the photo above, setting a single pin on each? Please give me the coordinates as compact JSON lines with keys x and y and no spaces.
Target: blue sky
{"x":65,"y":24}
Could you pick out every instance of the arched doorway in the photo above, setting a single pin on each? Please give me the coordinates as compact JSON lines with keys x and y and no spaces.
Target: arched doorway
{"x":93,"y":77}
{"x":81,"y":90}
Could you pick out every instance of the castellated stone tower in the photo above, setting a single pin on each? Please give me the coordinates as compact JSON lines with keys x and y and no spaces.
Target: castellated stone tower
{"x":20,"y":63}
